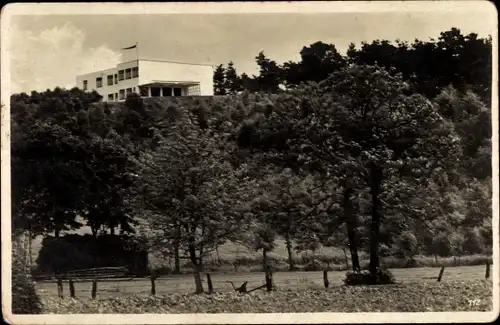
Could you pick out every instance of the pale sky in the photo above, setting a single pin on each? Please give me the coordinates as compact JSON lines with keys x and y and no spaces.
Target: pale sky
{"x":50,"y":50}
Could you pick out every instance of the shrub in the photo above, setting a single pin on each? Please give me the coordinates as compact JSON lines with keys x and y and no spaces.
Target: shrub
{"x":384,"y":250}
{"x":473,"y":242}
{"x":384,"y":276}
{"x":73,"y":252}
{"x":315,"y":265}
{"x":439,"y":245}
{"x":406,"y":245}
{"x":397,"y":263}
{"x":134,"y":102}
{"x":306,"y":258}
{"x":25,"y":300}
{"x":162,"y":270}
{"x":246,"y":260}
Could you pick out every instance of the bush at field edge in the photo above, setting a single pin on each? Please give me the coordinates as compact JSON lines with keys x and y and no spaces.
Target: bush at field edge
{"x":25,"y":299}
{"x":384,"y":276}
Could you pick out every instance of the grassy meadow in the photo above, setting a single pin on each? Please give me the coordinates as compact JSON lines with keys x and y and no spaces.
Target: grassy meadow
{"x":453,"y":295}
{"x":284,"y":281}
{"x":300,"y":291}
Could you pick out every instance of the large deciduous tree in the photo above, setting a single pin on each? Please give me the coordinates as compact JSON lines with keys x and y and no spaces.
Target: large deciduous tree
{"x":192,"y":193}
{"x":318,"y":61}
{"x":66,"y":163}
{"x":392,"y":132}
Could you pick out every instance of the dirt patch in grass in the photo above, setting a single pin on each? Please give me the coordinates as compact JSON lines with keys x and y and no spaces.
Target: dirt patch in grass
{"x":415,"y":297}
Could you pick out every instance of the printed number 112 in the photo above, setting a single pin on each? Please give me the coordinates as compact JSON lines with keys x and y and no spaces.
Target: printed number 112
{"x":474,"y":302}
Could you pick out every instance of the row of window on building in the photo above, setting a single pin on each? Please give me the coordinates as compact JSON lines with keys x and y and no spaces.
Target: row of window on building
{"x":163,"y":91}
{"x":145,"y":92}
{"x":121,"y":94}
{"x":114,"y":79}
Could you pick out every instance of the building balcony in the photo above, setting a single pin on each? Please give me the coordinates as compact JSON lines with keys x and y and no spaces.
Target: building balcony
{"x":169,"y":88}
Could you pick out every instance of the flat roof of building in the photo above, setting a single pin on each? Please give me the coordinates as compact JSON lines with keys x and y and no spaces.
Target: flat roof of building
{"x":153,"y":60}
{"x":169,"y":61}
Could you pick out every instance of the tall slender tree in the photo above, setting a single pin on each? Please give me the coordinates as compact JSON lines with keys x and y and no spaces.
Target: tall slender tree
{"x":220,"y":80}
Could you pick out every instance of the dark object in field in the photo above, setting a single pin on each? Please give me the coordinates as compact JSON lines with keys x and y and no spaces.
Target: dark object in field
{"x":210,"y":285}
{"x":94,"y":289}
{"x":325,"y":279}
{"x":384,"y":276}
{"x":487,"y":275}
{"x":269,"y":280}
{"x":440,"y":276}
{"x":262,"y":286}
{"x":153,"y":285}
{"x":241,"y":289}
{"x":71,"y":288}
{"x":59,"y":288}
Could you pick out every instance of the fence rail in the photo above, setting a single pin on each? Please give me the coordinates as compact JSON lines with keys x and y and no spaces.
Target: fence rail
{"x":86,"y":274}
{"x":244,"y":283}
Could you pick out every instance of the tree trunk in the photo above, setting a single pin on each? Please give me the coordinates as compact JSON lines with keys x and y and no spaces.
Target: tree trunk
{"x":291,"y":265}
{"x":314,"y":259}
{"x":200,"y":259}
{"x":200,"y":263}
{"x":264,"y":259}
{"x":218,"y":256}
{"x":351,"y":229}
{"x":177,"y":261}
{"x":30,"y":252}
{"x":375,"y":184}
{"x":24,"y":247}
{"x":197,"y":279}
{"x":54,"y":216}
{"x":196,"y":267}
{"x":93,"y":229}
{"x":346,"y":258}
{"x":201,"y":248}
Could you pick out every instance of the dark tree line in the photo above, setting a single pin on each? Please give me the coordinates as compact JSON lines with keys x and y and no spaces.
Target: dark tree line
{"x":462,"y":61}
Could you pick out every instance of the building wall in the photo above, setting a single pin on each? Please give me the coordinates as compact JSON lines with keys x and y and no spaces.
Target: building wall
{"x":128,"y":83}
{"x":106,"y":89}
{"x":91,"y":82}
{"x":150,"y":70}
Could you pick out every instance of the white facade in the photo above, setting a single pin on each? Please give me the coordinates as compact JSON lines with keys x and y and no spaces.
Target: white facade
{"x":149,"y":78}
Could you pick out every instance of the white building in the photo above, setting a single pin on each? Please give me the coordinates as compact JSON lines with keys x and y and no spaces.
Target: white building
{"x":149,"y":78}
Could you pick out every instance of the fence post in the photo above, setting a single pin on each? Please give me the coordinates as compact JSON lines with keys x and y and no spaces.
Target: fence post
{"x":210,"y":284}
{"x":153,"y":285}
{"x":71,"y":288}
{"x":440,"y":274}
{"x":59,"y":288}
{"x":325,"y":279}
{"x":94,"y":288}
{"x":487,"y":275}
{"x":269,"y":280}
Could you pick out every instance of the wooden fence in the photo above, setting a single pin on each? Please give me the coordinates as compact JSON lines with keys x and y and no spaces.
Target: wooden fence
{"x":94,"y":275}
{"x":116,"y":275}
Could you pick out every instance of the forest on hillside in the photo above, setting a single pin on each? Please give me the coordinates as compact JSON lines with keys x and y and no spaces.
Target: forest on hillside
{"x":386,"y":150}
